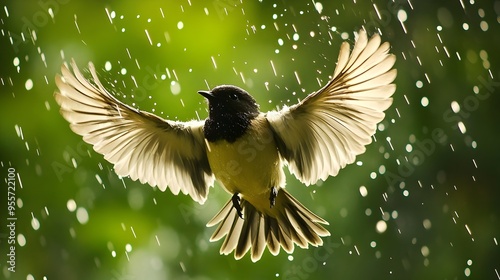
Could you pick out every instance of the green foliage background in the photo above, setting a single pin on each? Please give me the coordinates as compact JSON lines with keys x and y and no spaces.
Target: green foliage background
{"x":434,"y":186}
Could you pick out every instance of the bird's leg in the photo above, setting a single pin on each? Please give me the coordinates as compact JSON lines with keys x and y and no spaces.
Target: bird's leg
{"x":272,"y":196}
{"x":236,"y":204}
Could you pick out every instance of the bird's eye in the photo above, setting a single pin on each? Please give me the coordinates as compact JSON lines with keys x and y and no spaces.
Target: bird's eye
{"x":233,"y":96}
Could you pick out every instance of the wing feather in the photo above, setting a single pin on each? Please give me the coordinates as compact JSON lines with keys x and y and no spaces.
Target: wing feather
{"x":141,"y":145}
{"x":329,"y":128}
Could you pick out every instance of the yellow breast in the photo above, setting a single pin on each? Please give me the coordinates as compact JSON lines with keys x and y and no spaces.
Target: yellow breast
{"x":250,"y":165}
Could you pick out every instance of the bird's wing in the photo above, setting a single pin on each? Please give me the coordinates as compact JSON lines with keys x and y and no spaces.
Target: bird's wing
{"x":141,"y":145}
{"x":325,"y":131}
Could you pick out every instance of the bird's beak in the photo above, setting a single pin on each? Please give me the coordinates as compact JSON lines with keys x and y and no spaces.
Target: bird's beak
{"x":207,"y":94}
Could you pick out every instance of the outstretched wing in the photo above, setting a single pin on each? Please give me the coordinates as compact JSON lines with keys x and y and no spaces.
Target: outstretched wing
{"x":325,"y":131}
{"x":141,"y":145}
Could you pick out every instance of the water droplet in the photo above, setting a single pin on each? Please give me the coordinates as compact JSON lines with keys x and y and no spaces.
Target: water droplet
{"x":424,"y":101}
{"x":427,"y":224}
{"x":363,"y":191}
{"x":128,"y":248}
{"x":319,"y":7}
{"x":107,"y":66}
{"x":82,"y":215}
{"x":462,"y":127}
{"x":467,"y":272}
{"x":425,"y":251}
{"x":175,"y":87}
{"x":35,"y":223}
{"x":29,"y":84}
{"x":381,"y":226}
{"x":455,"y":107}
{"x":402,"y":16}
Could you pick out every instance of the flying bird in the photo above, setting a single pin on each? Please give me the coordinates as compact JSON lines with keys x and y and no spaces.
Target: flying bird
{"x":242,"y":147}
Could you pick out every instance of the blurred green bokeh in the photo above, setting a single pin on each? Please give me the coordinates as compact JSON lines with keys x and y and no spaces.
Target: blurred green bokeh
{"x":431,"y":176}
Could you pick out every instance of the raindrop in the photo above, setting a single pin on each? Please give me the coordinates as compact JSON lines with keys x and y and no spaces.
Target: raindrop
{"x":363,"y":191}
{"x":71,"y":205}
{"x":175,"y":87}
{"x":343,"y":212}
{"x":180,"y":25}
{"x":107,"y":66}
{"x":128,"y":248}
{"x":82,"y":215}
{"x":381,"y":226}
{"x":427,"y":224}
{"x":462,"y":128}
{"x":409,"y":148}
{"x":483,"y":25}
{"x":425,"y":251}
{"x":424,"y":101}
{"x":35,"y":223}
{"x":381,"y":170}
{"x":455,"y":107}
{"x":21,"y":240}
{"x":29,"y":84}
{"x":402,"y":16}
{"x":319,"y":7}
{"x":149,"y":38}
{"x":98,"y":178}
{"x":394,"y":214}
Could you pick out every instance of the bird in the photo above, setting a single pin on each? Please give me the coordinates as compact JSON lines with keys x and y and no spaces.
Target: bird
{"x":244,"y":149}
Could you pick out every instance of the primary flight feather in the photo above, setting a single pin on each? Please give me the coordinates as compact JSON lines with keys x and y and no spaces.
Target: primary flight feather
{"x":241,"y":147}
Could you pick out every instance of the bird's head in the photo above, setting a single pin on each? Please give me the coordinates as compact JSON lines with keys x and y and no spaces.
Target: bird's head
{"x":227,"y":100}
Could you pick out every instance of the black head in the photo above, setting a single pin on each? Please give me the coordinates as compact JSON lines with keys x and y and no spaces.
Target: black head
{"x":227,"y":100}
{"x":231,"y":111}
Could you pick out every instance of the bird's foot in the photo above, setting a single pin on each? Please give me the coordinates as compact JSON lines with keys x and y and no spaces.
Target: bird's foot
{"x":273,"y":195}
{"x":236,"y":204}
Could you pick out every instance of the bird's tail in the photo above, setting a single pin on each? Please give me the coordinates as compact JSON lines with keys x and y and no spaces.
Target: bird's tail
{"x":288,"y":222}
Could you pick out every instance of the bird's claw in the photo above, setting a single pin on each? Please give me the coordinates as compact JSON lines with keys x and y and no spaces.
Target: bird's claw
{"x":236,"y":204}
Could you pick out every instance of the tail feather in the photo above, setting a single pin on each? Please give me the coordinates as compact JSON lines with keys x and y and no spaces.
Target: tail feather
{"x":288,"y":223}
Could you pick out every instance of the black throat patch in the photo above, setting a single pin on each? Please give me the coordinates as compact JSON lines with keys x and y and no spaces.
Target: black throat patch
{"x":229,"y":127}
